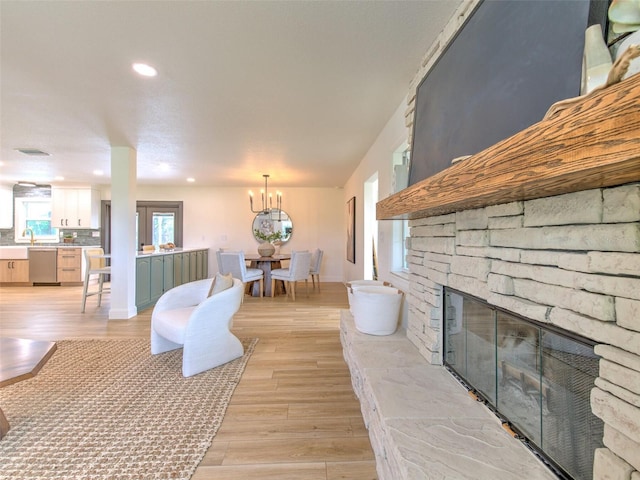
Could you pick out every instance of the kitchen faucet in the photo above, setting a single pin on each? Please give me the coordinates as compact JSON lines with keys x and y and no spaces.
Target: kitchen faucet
{"x":30,"y":230}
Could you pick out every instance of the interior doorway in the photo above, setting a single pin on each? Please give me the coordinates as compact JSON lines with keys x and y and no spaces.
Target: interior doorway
{"x":370,"y":236}
{"x":157,"y":222}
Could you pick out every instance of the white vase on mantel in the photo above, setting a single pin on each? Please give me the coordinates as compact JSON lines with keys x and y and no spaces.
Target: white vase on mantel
{"x":634,"y":65}
{"x":597,"y":60}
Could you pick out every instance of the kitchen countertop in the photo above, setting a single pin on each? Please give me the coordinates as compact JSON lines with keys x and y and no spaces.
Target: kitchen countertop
{"x":16,"y":252}
{"x":169,"y":252}
{"x":21,"y":252}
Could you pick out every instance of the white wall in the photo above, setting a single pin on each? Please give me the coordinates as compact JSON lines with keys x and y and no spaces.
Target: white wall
{"x":221,"y":218}
{"x":378,"y":159}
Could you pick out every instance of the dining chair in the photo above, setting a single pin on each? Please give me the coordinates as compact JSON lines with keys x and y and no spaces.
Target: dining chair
{"x":235,"y":264}
{"x":218,"y":252}
{"x":298,"y":270}
{"x":95,"y":264}
{"x":314,"y":270}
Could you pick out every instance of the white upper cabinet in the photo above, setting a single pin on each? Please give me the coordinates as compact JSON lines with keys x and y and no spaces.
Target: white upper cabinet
{"x":6,"y":206}
{"x":75,"y":207}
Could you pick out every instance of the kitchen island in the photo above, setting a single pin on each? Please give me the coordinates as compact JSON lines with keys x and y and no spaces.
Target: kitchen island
{"x":159,"y":271}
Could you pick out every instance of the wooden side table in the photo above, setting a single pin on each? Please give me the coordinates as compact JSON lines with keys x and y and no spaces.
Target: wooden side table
{"x":21,"y":359}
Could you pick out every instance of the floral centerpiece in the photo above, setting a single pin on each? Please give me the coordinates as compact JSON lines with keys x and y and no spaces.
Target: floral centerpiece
{"x":266,"y":248}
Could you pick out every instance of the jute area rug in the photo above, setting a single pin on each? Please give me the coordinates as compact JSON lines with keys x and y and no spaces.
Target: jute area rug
{"x":108,"y":409}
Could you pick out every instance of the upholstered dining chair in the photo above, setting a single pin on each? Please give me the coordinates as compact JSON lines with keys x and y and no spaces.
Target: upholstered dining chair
{"x":95,"y":264}
{"x":298,"y":270}
{"x":235,"y":264}
{"x":314,"y":270}
{"x":218,"y":252}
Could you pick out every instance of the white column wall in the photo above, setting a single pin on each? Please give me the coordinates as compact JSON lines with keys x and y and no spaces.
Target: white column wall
{"x":123,"y":233}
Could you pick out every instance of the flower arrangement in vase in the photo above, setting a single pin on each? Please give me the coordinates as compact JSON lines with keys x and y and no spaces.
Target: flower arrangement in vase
{"x":266,"y":248}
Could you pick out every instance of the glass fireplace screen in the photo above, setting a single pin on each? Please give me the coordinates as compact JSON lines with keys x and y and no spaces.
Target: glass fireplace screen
{"x":536,"y":379}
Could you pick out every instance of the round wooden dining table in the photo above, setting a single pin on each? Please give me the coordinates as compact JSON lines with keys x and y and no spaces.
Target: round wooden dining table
{"x":266,"y":264}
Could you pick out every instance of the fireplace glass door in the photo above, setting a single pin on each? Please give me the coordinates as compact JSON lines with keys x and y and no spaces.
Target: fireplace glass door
{"x":536,"y":379}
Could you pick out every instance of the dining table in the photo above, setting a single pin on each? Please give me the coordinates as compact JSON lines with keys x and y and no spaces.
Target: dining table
{"x":267,"y":265}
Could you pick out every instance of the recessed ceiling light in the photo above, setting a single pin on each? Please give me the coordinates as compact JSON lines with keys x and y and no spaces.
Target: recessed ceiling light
{"x":191,"y":180}
{"x":98,"y":172}
{"x":145,"y":70}
{"x":26,"y":184}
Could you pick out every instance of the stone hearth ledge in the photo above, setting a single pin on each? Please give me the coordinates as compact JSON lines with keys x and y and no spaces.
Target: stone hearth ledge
{"x":422,"y":423}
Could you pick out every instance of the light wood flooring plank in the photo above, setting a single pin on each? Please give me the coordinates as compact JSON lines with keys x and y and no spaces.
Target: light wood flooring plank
{"x":352,"y":470}
{"x":234,"y":429}
{"x":283,"y":471}
{"x":315,"y":449}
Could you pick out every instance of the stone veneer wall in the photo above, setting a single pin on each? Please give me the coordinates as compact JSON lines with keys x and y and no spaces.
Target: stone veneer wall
{"x":572,"y":261}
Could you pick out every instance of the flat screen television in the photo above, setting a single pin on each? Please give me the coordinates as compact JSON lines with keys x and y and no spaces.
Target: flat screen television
{"x":506,"y":66}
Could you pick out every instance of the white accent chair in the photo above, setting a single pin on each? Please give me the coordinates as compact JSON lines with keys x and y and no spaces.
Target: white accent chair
{"x":95,"y":264}
{"x":235,"y":264}
{"x":186,"y":317}
{"x":314,"y":271}
{"x":298,"y":270}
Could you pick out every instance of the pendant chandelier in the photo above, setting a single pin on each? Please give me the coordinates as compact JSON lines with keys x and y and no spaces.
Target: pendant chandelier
{"x":266,"y":199}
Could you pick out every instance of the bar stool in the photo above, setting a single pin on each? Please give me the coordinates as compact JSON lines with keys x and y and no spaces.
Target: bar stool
{"x":95,"y":264}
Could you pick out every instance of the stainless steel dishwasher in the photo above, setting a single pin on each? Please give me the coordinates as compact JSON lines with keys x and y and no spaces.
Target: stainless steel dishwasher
{"x":43,"y":266}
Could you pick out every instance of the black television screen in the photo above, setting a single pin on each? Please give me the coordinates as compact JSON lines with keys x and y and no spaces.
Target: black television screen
{"x":508,"y":64}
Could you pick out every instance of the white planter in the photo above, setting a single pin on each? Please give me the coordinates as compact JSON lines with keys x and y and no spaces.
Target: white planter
{"x":376,"y":309}
{"x":362,"y":283}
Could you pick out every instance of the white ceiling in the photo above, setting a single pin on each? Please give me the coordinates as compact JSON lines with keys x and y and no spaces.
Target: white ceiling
{"x":296,"y":89}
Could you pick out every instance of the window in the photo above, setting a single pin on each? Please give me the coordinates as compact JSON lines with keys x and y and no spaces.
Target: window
{"x":401,"y":232}
{"x":163,"y":226}
{"x":34,"y":215}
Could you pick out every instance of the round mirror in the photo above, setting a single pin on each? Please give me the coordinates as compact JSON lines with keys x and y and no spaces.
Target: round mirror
{"x":267,"y":225}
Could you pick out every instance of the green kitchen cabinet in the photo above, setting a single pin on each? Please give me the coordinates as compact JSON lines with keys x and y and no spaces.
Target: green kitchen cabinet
{"x":158,"y":272}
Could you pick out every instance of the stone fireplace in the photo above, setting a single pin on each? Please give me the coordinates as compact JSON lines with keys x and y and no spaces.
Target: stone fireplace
{"x":570,"y":261}
{"x":545,"y":225}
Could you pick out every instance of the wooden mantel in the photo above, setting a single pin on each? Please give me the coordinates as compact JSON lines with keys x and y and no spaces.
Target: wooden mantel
{"x":592,"y":144}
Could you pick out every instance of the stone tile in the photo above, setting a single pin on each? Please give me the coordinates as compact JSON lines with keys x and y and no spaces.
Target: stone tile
{"x":390,"y":353}
{"x":425,"y":391}
{"x":462,"y":448}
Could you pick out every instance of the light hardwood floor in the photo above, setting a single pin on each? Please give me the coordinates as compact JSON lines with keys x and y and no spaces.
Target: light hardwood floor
{"x":294,"y":414}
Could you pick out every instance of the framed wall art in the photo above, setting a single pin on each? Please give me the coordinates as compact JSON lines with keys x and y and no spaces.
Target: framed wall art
{"x":351,"y":230}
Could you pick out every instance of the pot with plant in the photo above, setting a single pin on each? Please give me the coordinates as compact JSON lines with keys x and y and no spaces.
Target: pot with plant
{"x":266,"y":248}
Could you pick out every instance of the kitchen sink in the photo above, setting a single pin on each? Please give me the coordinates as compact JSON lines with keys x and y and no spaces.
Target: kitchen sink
{"x":14,"y":252}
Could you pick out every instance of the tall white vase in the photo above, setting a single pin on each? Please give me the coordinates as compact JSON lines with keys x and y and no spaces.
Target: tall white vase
{"x":597,"y":59}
